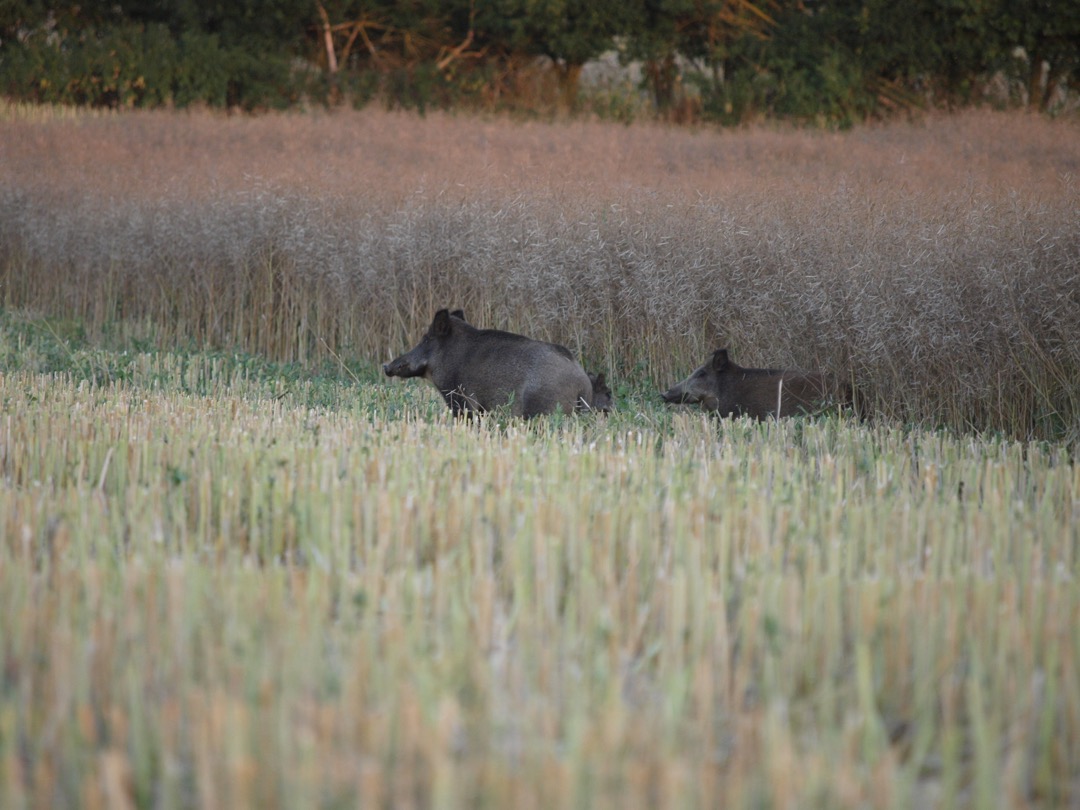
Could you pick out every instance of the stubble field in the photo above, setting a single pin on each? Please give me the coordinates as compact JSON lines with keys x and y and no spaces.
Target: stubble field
{"x":239,"y":568}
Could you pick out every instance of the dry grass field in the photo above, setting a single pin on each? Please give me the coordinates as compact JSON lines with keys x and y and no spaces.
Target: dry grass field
{"x":937,"y":263}
{"x":240,"y":568}
{"x":216,"y":594}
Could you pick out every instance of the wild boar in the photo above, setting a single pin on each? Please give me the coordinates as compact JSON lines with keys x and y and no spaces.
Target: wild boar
{"x":601,"y":400}
{"x":731,"y":390}
{"x":477,"y":370}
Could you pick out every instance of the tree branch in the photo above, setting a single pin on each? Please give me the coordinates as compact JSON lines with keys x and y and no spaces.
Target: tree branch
{"x":328,"y":39}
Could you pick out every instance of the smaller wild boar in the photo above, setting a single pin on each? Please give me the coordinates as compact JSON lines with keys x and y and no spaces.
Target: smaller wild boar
{"x":731,"y":390}
{"x":477,"y":370}
{"x":602,"y":400}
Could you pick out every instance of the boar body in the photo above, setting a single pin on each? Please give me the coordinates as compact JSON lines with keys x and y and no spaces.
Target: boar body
{"x":729,"y":389}
{"x":600,"y":398}
{"x":477,"y":370}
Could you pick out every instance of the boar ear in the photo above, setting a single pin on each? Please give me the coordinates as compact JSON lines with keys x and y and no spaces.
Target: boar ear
{"x":458,"y":313}
{"x":600,"y":378}
{"x":441,"y":325}
{"x":720,"y":360}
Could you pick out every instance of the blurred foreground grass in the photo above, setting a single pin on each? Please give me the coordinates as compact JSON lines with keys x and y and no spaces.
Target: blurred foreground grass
{"x":229,"y":583}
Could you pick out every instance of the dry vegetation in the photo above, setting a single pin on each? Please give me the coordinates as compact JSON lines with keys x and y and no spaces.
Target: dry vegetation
{"x":240,"y":569}
{"x":937,"y":262}
{"x":232,"y":599}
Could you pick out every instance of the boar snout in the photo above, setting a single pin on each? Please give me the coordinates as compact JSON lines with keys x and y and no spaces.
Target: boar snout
{"x":689,"y":393}
{"x":674,"y":396}
{"x":401,"y":367}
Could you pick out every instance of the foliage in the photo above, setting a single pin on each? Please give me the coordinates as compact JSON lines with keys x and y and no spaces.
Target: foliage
{"x":144,"y":67}
{"x":832,"y":63}
{"x":703,"y":36}
{"x":144,"y":60}
{"x":1048,"y":34}
{"x":568,"y":32}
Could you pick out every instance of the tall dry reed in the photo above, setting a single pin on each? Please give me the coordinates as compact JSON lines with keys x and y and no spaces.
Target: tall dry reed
{"x":937,"y":263}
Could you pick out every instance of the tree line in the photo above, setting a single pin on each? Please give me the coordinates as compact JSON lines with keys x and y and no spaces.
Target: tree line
{"x":829,"y":61}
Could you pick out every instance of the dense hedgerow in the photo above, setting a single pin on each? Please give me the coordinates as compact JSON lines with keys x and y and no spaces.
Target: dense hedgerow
{"x":937,"y":264}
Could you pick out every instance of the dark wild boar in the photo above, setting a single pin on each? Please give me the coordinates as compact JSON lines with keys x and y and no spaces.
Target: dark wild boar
{"x":731,"y":390}
{"x":477,"y":370}
{"x":601,"y":399}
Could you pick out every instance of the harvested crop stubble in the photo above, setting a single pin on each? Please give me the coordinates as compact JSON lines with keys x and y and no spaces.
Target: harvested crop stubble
{"x":212,"y":591}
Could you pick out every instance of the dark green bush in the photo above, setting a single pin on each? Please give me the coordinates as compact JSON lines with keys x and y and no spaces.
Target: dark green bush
{"x":142,"y":66}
